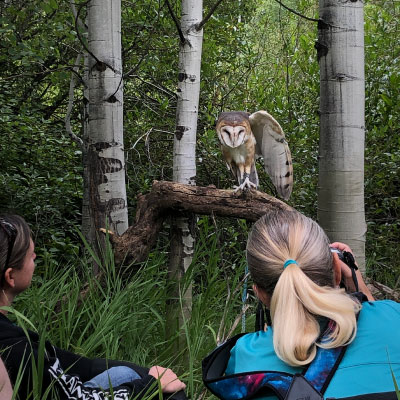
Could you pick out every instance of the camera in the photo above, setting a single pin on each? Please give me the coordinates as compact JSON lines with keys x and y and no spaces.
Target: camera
{"x":348,"y":259}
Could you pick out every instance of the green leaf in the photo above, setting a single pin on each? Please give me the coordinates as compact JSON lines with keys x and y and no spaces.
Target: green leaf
{"x":46,"y":7}
{"x":53,"y":4}
{"x":387,"y":99}
{"x":395,"y":384}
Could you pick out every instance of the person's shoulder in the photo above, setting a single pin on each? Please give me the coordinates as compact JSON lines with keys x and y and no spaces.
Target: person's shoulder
{"x":6,"y":327}
{"x":12,"y":332}
{"x":4,"y":319}
{"x":381,"y":305}
{"x":255,"y":352}
{"x":382,"y":313}
{"x":261,"y":338}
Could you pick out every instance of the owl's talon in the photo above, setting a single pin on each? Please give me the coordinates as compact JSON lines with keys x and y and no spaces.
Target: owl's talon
{"x":246,"y":185}
{"x":239,"y":188}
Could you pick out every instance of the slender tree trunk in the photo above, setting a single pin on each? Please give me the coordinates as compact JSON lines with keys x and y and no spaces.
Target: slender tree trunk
{"x":184,"y":164}
{"x":341,"y":152}
{"x":105,"y":162}
{"x":184,"y":168}
{"x":87,"y":228}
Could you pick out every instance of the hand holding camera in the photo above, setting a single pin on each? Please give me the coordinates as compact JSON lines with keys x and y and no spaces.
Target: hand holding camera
{"x":351,"y":280}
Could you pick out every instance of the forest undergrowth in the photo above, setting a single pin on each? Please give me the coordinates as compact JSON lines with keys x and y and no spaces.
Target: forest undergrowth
{"x":123,"y":315}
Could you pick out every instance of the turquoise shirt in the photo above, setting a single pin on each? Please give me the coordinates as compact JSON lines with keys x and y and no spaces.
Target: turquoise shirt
{"x":365,"y":367}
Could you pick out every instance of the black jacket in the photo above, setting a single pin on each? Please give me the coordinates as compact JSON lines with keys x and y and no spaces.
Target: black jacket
{"x":63,"y":372}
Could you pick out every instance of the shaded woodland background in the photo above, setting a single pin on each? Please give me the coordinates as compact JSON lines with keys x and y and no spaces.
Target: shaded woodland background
{"x":256,"y":55}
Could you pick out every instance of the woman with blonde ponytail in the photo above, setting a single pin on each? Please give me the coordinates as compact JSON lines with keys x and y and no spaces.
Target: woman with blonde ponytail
{"x":297,"y":276}
{"x":289,"y":256}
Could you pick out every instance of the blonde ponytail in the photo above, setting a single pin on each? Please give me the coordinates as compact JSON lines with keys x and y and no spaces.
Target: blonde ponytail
{"x":296,"y":302}
{"x":303,"y":291}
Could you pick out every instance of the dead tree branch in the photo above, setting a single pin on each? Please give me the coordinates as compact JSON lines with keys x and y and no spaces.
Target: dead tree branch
{"x":208,"y":16}
{"x":177,"y":23}
{"x":296,"y":12}
{"x":381,"y":291}
{"x":169,"y":198}
{"x":72,"y":84}
{"x":80,"y":24}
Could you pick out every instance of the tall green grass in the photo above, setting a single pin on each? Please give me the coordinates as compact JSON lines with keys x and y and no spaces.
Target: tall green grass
{"x":123,"y":315}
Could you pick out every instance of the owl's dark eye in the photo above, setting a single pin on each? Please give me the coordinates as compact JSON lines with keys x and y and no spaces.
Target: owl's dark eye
{"x":227,"y":132}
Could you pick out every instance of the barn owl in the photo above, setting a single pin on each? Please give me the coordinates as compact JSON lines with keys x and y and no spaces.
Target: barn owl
{"x":244,"y":136}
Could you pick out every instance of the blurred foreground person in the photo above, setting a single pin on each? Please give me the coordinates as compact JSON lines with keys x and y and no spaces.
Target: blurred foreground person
{"x":67,"y":375}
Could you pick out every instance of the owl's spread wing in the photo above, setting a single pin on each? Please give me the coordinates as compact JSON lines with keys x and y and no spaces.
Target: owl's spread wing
{"x":272,"y":146}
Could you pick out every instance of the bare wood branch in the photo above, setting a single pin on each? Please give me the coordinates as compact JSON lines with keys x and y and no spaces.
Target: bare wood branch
{"x":134,"y":69}
{"x":157,"y":86}
{"x":381,"y":291}
{"x":221,"y":331}
{"x":72,"y":84}
{"x":177,"y":23}
{"x":208,"y":16}
{"x":296,"y":12}
{"x":77,"y":19}
{"x":169,"y":198}
{"x":76,"y":16}
{"x":235,"y":323}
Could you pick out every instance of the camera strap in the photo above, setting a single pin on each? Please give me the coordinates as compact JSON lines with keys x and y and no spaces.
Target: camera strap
{"x":349,"y":260}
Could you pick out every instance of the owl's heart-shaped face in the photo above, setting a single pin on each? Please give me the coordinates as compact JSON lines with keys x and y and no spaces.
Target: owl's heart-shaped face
{"x":233,"y":128}
{"x":232,"y":136}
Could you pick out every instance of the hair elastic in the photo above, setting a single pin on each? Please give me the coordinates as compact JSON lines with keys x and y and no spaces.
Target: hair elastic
{"x":288,"y":262}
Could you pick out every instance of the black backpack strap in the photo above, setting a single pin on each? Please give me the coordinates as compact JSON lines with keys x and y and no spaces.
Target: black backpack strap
{"x":214,"y":365}
{"x":301,"y":389}
{"x":246,"y":385}
{"x":260,"y":317}
{"x":263,"y":317}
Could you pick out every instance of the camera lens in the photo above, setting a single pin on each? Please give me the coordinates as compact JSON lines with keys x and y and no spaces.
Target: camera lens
{"x":338,"y":252}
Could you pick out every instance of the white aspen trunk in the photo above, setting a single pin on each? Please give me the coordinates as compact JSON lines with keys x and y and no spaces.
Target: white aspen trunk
{"x":184,"y":168}
{"x":184,"y":163}
{"x":87,"y":228}
{"x":105,"y":153}
{"x":342,"y":128}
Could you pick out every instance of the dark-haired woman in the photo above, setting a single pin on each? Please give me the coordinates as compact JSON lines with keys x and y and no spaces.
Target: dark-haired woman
{"x":68,"y":375}
{"x":296,"y":275}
